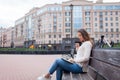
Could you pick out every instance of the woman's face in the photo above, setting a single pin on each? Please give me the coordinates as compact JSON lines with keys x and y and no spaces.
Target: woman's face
{"x":80,"y":37}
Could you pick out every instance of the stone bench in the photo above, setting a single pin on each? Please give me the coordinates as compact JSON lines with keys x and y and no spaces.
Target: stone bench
{"x":104,"y":65}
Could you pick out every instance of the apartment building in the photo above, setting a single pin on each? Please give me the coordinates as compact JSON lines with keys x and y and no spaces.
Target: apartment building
{"x":106,"y":21}
{"x":2,"y":37}
{"x":25,"y":29}
{"x":49,"y":25}
{"x":97,"y":18}
{"x":8,"y":37}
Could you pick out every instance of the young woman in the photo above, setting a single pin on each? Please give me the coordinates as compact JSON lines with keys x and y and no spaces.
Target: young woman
{"x":80,"y":62}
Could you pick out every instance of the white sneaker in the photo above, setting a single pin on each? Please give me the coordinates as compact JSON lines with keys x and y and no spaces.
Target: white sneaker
{"x":43,"y":78}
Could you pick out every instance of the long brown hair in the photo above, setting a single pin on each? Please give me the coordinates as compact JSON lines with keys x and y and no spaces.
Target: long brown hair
{"x":85,"y":35}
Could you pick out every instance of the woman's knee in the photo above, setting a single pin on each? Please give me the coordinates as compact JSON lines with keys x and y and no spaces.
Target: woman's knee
{"x":58,"y":60}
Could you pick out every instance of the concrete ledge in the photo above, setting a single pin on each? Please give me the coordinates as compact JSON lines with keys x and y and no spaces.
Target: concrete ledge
{"x":35,"y":52}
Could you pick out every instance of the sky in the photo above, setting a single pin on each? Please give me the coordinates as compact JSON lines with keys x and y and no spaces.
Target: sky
{"x":11,"y":10}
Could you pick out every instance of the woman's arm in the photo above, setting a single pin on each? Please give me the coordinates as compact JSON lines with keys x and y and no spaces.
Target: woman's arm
{"x":87,"y":52}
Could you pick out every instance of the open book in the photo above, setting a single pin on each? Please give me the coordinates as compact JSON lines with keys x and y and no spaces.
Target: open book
{"x":67,"y":60}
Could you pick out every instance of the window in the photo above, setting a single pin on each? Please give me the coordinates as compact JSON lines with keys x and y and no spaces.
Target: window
{"x":67,"y":7}
{"x":101,"y":29}
{"x":67,"y":19}
{"x":95,"y":13}
{"x":116,"y":18}
{"x":88,"y":29}
{"x":87,"y":18}
{"x":117,"y":30}
{"x":106,"y":13}
{"x":67,"y":30}
{"x":106,"y":24}
{"x":111,"y":35}
{"x":101,"y":13}
{"x":54,"y":41}
{"x":54,"y":36}
{"x":60,"y":19}
{"x":87,"y":24}
{"x":117,"y":41}
{"x":49,"y":30}
{"x":95,"y":24}
{"x":49,"y":41}
{"x":54,"y":15}
{"x":59,"y":36}
{"x":55,"y":24}
{"x":111,"y":13}
{"x":67,"y":35}
{"x":87,"y":13}
{"x":95,"y":19}
{"x":116,"y":13}
{"x":50,"y":14}
{"x":111,"y":19}
{"x":59,"y":14}
{"x":49,"y":36}
{"x":106,"y":30}
{"x":101,"y":25}
{"x":96,"y":35}
{"x":60,"y":41}
{"x":117,"y":24}
{"x":111,"y":24}
{"x":50,"y":25}
{"x":96,"y":30}
{"x":67,"y":14}
{"x":106,"y":19}
{"x":59,"y":30}
{"x":67,"y":24}
{"x":87,"y":7}
{"x":106,"y":35}
{"x":54,"y":30}
{"x":111,"y":30}
{"x":101,"y":18}
{"x":117,"y":35}
{"x":55,"y":8}
{"x":55,"y":20}
{"x":59,"y":25}
{"x":107,"y":7}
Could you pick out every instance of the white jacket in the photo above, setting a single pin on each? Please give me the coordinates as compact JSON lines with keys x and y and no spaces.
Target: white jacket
{"x":83,"y":55}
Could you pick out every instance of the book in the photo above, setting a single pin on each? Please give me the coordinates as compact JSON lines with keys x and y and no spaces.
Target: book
{"x":67,"y":60}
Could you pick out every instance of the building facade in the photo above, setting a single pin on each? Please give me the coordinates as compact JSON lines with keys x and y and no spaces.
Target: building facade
{"x":25,"y":29}
{"x":2,"y":37}
{"x":97,"y":18}
{"x":106,"y":21}
{"x":7,"y":37}
{"x":48,"y":25}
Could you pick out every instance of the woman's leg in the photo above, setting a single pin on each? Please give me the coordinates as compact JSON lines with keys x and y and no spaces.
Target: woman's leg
{"x":61,"y":65}
{"x":59,"y":73}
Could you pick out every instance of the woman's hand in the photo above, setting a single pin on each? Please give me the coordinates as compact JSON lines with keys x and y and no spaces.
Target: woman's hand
{"x":71,"y":60}
{"x":77,"y":46}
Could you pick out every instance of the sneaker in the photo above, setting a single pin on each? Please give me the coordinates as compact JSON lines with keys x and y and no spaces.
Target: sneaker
{"x":43,"y":78}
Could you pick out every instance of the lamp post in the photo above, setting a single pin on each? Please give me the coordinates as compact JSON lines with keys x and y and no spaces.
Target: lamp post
{"x":71,"y":8}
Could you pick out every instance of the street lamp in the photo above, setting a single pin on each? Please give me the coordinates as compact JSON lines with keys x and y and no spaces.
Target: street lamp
{"x":71,"y":8}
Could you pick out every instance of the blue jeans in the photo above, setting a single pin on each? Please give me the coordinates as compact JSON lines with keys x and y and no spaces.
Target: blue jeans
{"x":60,"y":65}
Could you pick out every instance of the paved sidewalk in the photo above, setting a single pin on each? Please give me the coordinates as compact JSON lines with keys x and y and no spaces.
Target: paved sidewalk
{"x":24,"y":67}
